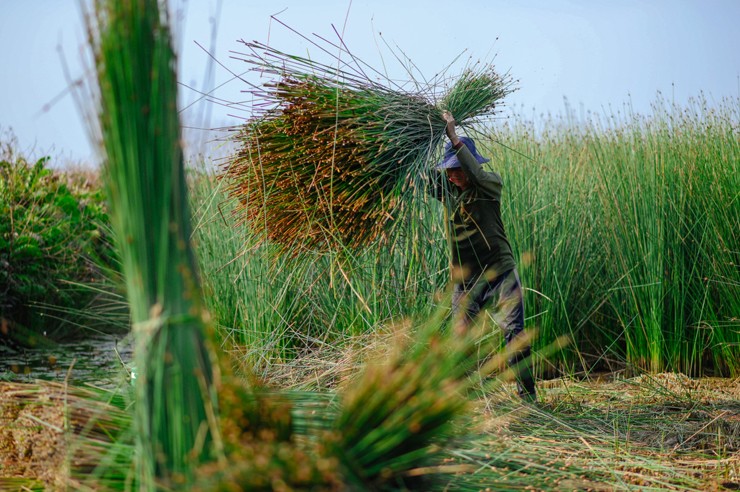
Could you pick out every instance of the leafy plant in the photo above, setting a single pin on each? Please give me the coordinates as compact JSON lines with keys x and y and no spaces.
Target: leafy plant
{"x":52,"y":238}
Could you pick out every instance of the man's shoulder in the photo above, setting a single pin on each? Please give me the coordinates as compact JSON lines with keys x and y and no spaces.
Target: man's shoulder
{"x":490,"y":181}
{"x":493,"y":176}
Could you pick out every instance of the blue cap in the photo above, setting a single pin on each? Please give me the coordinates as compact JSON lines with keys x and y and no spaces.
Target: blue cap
{"x":450,"y":160}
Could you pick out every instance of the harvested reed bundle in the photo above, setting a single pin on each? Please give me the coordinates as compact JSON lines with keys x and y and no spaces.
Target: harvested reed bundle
{"x":145,"y":178}
{"x":331,"y":156}
{"x":265,"y":442}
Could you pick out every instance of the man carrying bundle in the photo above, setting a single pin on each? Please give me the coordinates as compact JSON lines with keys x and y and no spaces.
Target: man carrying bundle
{"x":481,"y":254}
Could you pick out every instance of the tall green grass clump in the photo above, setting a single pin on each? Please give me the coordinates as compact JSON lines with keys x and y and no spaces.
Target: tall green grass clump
{"x":399,"y":418}
{"x":625,"y":227}
{"x":274,"y":307}
{"x":145,"y":181}
{"x":671,"y":196}
{"x":549,"y":214}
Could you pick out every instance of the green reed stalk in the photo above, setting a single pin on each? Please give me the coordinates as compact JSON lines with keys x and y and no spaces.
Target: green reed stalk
{"x":670,"y":217}
{"x":632,"y":196}
{"x":144,"y":174}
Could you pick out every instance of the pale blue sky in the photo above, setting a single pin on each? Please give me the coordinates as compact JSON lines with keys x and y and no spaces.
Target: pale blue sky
{"x":597,"y":54}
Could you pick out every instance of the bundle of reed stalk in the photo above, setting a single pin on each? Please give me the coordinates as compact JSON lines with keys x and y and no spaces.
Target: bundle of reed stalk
{"x":332,"y":156}
{"x":144,"y":173}
{"x":398,"y":416}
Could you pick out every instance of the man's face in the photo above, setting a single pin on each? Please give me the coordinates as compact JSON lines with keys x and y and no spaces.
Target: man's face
{"x":458,"y":177}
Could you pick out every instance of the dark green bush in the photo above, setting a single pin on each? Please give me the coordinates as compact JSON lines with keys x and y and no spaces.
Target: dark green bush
{"x":52,"y":241}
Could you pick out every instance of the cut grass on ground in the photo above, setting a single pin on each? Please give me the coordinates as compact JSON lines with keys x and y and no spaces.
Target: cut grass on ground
{"x":662,"y":432}
{"x":655,"y":432}
{"x":651,"y":432}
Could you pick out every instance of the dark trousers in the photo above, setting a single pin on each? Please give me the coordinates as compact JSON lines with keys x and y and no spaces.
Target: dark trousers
{"x":504,"y":296}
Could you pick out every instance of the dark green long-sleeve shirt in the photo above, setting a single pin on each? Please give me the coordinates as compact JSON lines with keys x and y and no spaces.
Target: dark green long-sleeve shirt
{"x":477,"y":236}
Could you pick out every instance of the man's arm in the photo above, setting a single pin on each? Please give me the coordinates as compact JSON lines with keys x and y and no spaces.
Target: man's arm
{"x":450,"y":130}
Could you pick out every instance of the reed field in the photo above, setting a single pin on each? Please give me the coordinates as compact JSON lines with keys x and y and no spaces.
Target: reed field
{"x":625,"y":229}
{"x":632,"y":227}
{"x":316,"y":350}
